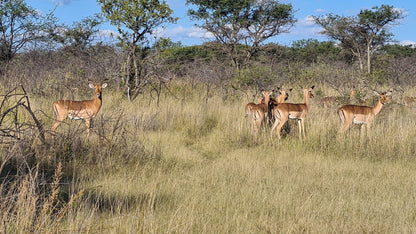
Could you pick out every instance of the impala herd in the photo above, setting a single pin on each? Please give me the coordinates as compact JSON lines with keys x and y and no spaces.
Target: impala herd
{"x":278,"y":112}
{"x":268,"y":109}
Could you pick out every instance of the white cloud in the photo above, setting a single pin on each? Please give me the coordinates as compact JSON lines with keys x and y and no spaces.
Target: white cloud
{"x":180,"y":33}
{"x":306,"y":27}
{"x":408,"y":42}
{"x":319,"y":10}
{"x":108,"y":33}
{"x":63,"y":2}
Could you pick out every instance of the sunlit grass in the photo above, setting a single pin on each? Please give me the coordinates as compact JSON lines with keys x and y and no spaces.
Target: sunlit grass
{"x":187,"y":166}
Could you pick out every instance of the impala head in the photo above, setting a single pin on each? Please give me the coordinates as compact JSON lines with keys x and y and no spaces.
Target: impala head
{"x":352,"y":92}
{"x":284,"y":94}
{"x":267,"y":93}
{"x":308,"y":91}
{"x":97,"y":88}
{"x":384,"y":97}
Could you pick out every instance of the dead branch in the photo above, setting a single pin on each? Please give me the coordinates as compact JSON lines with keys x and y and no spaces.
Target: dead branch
{"x":16,"y":101}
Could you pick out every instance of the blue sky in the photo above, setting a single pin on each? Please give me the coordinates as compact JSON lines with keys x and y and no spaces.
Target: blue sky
{"x":68,"y":11}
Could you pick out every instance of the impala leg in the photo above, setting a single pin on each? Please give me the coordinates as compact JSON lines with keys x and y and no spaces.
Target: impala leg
{"x":259,"y":120}
{"x":344,"y":127}
{"x":345,"y":123}
{"x":300,"y":127}
{"x":279,"y":127}
{"x":88,"y":124}
{"x":276,"y":122}
{"x":303,"y":128}
{"x":55,"y":125}
{"x":368,"y":127}
{"x":60,"y":116}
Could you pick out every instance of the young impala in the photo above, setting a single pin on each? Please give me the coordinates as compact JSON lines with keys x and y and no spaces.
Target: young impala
{"x":273,"y":103}
{"x":330,"y":101}
{"x":285,"y":111}
{"x":259,"y":111}
{"x":250,"y":105}
{"x":79,"y":109}
{"x":408,"y":101}
{"x":349,"y":114}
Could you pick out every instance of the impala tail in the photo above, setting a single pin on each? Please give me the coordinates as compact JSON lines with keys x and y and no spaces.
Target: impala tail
{"x":341,"y":115}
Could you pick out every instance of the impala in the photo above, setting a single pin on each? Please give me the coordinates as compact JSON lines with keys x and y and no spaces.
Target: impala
{"x":283,"y":95}
{"x":285,"y":111}
{"x":330,"y":101}
{"x":273,"y":103}
{"x":259,"y":111}
{"x":79,"y":109}
{"x":408,"y":101}
{"x":349,"y":114}
{"x":249,"y":107}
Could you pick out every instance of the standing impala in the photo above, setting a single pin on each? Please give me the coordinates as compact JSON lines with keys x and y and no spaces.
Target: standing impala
{"x":285,"y":111}
{"x":349,"y":114}
{"x":408,"y":101}
{"x":273,"y":103}
{"x":259,"y":111}
{"x":79,"y":109}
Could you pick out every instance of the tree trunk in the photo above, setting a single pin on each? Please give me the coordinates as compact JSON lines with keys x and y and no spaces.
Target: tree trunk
{"x":368,"y":59}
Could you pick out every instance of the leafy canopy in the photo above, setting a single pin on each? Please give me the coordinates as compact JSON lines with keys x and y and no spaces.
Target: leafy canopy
{"x":135,"y":19}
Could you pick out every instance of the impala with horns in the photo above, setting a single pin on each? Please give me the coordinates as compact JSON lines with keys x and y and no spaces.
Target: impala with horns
{"x":86,"y":109}
{"x":349,"y":114}
{"x":298,"y":111}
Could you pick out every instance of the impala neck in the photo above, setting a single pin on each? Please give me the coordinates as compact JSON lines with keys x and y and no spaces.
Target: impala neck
{"x":306,"y":96}
{"x":98,"y":99}
{"x":266,"y":99}
{"x":377,"y":108}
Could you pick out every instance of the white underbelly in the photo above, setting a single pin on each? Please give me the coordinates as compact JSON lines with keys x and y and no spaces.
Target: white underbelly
{"x":357,"y":121}
{"x":74,"y":117}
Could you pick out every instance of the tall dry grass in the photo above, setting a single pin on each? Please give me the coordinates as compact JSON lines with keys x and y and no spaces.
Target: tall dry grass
{"x":191,"y":166}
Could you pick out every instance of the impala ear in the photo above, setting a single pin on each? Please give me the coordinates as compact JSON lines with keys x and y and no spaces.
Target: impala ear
{"x":313,"y":86}
{"x":104,"y":85}
{"x":388,"y":93}
{"x":91,"y":85}
{"x":376,"y":93}
{"x":290,"y":90}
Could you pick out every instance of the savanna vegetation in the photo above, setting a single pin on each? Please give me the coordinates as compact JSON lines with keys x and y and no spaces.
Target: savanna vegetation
{"x":171,"y":149}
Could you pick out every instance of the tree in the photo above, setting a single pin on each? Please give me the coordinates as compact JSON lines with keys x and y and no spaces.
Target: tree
{"x":373,"y":27}
{"x":80,"y":36}
{"x":248,"y":22}
{"x":21,"y":25}
{"x":135,"y":20}
{"x":344,"y":30}
{"x":361,"y":34}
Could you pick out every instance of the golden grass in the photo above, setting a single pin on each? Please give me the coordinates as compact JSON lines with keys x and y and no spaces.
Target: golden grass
{"x":187,"y":166}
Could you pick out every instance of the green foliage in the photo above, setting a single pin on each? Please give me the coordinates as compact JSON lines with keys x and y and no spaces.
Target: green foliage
{"x":136,"y":19}
{"x":399,"y":50}
{"x":246,"y":22}
{"x":80,"y":36}
{"x":260,"y":77}
{"x":311,"y":50}
{"x":187,"y":54}
{"x":364,"y":33}
{"x":21,"y":25}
